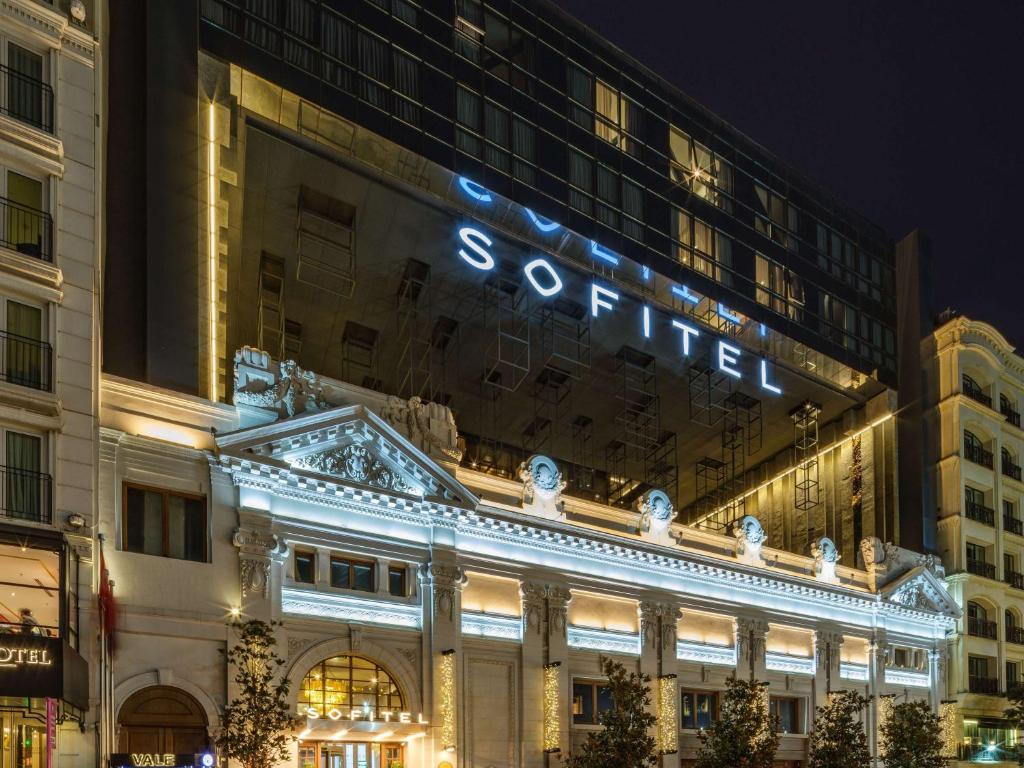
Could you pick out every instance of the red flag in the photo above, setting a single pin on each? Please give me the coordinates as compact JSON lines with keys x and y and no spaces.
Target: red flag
{"x":108,"y":607}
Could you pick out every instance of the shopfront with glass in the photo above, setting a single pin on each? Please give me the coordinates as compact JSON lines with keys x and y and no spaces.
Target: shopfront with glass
{"x":43,"y":679}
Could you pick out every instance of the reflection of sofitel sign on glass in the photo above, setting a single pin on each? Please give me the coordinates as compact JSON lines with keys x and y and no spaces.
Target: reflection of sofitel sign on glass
{"x":546,"y":280}
{"x":12,"y":658}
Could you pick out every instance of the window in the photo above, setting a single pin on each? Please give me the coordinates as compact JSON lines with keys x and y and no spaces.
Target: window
{"x":26,"y":354}
{"x":1012,"y":675}
{"x":31,"y":603}
{"x":977,"y":666}
{"x":469,"y":29}
{"x":589,"y":700}
{"x":787,"y":710}
{"x":26,"y":489}
{"x":1010,"y":619}
{"x":614,"y":113}
{"x":697,"y":167}
{"x":701,"y":247}
{"x":350,"y":682}
{"x":28,"y":98}
{"x":164,"y":523}
{"x":776,"y":218}
{"x":698,"y":709}
{"x":581,"y":179}
{"x":469,"y":115}
{"x":352,"y":574}
{"x":974,"y":449}
{"x":975,"y":552}
{"x":305,"y":567}
{"x":779,"y":288}
{"x":396,"y":580}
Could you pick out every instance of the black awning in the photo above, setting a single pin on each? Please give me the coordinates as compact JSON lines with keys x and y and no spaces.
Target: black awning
{"x":42,"y":668}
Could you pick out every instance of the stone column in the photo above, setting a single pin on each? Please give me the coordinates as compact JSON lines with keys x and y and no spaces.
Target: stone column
{"x":534,"y":604}
{"x":260,"y":558}
{"x":558,"y":599}
{"x":937,"y":677}
{"x":751,"y":635}
{"x":827,"y":653}
{"x":876,"y":684}
{"x":658,"y":658}
{"x":441,"y":582}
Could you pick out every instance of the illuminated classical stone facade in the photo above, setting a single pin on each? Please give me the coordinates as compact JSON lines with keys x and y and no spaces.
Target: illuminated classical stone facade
{"x":482,"y":604}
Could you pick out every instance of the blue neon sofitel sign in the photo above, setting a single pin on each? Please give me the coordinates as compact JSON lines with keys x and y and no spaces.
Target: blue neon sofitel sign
{"x":475,"y":249}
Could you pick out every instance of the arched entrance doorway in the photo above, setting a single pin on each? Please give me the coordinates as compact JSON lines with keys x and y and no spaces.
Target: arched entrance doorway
{"x":356,"y":716}
{"x":162,"y":720}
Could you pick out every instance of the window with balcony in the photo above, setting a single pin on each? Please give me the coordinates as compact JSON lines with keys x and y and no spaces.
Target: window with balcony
{"x":695,"y":166}
{"x":975,"y":507}
{"x":974,"y":450}
{"x":26,"y":227}
{"x":978,"y":622}
{"x":27,"y":488}
{"x":1014,"y":632}
{"x":1008,"y":464}
{"x":1009,"y":409}
{"x":974,"y":390}
{"x":981,"y":675}
{"x":1013,"y":679}
{"x":1011,"y":521}
{"x":698,"y":709}
{"x":164,"y":523}
{"x":1011,"y":573}
{"x":26,"y":96}
{"x":977,"y":561}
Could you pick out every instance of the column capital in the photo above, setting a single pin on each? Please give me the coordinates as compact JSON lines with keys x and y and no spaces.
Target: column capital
{"x":445,"y":581}
{"x":532,"y":596}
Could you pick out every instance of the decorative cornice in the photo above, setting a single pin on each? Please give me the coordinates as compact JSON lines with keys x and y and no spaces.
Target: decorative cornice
{"x":792,"y":665}
{"x":851,"y":671}
{"x":492,"y":626}
{"x":604,"y":640}
{"x":703,"y":653}
{"x":907,"y":678}
{"x":301,"y":602}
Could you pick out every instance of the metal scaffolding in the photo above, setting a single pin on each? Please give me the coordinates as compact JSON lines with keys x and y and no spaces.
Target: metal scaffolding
{"x":271,"y":305}
{"x":507,"y":313}
{"x":359,"y":355}
{"x":565,"y":337}
{"x":806,"y":486}
{"x":583,"y":473}
{"x":551,"y":391}
{"x":708,"y":389}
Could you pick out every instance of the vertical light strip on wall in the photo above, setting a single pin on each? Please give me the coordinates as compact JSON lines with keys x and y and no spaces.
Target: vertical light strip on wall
{"x":949,"y":730}
{"x":886,"y":702}
{"x":552,"y":726}
{"x":211,"y":204}
{"x":668,"y":728}
{"x":448,"y":700}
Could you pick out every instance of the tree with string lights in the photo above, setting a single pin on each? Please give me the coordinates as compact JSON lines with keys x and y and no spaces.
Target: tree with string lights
{"x":838,"y":739}
{"x":744,"y":735}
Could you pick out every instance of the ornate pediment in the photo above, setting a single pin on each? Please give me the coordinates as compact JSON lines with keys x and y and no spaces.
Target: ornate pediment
{"x":346,"y":446}
{"x":920,"y":590}
{"x":356,"y":463}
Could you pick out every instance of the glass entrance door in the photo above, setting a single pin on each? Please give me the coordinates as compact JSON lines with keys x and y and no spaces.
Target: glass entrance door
{"x":351,"y":754}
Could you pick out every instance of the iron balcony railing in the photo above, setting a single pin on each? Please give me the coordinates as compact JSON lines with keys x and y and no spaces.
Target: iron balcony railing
{"x":981,"y":628}
{"x":1014,"y":579}
{"x":980,"y":512}
{"x":26,"y":230}
{"x":983,"y":684}
{"x":975,"y":392}
{"x":981,"y":568}
{"x":1015,"y":635}
{"x":978,"y":455}
{"x":27,"y":495}
{"x":1010,"y":469}
{"x":25,"y":361}
{"x":26,"y":99}
{"x":1012,"y":525}
{"x":1011,"y":415}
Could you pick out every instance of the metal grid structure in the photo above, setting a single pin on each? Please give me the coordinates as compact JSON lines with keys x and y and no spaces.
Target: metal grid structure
{"x":806,"y":485}
{"x":582,"y":478}
{"x":708,"y":390}
{"x":565,"y":336}
{"x":551,"y":391}
{"x":507,"y":312}
{"x":359,"y":355}
{"x":270,"y":312}
{"x":413,"y":333}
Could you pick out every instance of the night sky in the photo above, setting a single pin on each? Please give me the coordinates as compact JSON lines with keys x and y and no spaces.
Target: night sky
{"x":910,"y":111}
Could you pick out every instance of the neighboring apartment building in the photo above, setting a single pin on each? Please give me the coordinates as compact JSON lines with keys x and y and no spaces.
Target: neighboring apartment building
{"x":48,"y":309}
{"x":976,"y":394}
